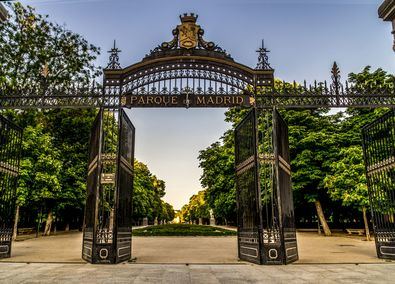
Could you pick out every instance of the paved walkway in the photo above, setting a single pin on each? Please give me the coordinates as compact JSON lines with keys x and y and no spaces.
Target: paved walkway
{"x":66,"y":248}
{"x":207,"y":274}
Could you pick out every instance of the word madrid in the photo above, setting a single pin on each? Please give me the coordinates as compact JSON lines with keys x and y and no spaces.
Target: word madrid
{"x":190,"y":100}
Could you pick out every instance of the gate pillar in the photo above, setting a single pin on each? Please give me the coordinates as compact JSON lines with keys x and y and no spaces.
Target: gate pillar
{"x":10,"y":151}
{"x":379,"y":154}
{"x":108,"y":211}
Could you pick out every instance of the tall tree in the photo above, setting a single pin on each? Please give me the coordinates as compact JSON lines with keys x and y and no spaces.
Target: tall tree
{"x":196,"y":209}
{"x":347,"y":182}
{"x":217,"y":163}
{"x":148,"y":194}
{"x":37,"y":54}
{"x":39,"y":183}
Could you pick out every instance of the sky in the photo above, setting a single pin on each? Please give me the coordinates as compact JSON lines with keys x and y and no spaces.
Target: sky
{"x":305,"y":38}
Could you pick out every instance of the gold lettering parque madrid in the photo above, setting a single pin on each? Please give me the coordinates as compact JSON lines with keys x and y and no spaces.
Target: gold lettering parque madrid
{"x":154,"y":100}
{"x":180,"y":101}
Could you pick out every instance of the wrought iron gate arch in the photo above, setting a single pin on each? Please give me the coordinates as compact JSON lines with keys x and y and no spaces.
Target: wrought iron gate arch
{"x":176,"y":68}
{"x":207,"y":68}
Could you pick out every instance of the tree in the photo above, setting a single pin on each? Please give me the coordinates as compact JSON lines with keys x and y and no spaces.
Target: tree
{"x":347,"y":182}
{"x":40,"y":56}
{"x":71,"y":132}
{"x":313,"y":147}
{"x":217,"y":163}
{"x":196,"y":209}
{"x":39,"y":182}
{"x":37,"y":54}
{"x":168,"y":213}
{"x":148,"y":194}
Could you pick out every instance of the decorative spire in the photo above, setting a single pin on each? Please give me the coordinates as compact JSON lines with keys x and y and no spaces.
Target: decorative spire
{"x":335,"y":72}
{"x":114,"y":58}
{"x":263,"y":58}
{"x":336,"y":84}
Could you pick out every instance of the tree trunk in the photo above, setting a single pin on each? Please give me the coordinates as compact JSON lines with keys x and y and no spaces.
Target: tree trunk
{"x":365,"y":221}
{"x":319,"y":226}
{"x":48,"y":223}
{"x":15,"y":233}
{"x":321,"y":216}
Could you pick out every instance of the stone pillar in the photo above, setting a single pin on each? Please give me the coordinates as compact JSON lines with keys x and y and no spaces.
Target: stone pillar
{"x":387,"y":13}
{"x":145,"y":221}
{"x":156,"y":221}
{"x":3,"y":13}
{"x":200,"y":221}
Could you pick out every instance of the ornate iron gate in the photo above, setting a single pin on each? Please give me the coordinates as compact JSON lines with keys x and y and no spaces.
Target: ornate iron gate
{"x":108,"y":212}
{"x":93,"y":182}
{"x":282,"y":180}
{"x":279,"y":234}
{"x":125,"y":176}
{"x":379,"y":153}
{"x":10,"y":151}
{"x":266,"y":226}
{"x":249,"y":223}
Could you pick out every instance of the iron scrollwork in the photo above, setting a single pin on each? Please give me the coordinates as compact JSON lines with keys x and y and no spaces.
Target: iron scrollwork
{"x":190,"y":64}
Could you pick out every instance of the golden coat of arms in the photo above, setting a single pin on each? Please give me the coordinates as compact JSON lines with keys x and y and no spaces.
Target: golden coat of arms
{"x":188,"y":32}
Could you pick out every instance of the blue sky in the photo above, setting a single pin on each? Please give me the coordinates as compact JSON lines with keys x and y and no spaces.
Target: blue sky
{"x":304,"y":36}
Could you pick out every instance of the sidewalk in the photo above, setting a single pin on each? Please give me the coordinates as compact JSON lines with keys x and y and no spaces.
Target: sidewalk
{"x":207,"y":274}
{"x":313,"y":249}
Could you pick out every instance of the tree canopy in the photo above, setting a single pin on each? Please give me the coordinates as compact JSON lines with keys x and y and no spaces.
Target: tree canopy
{"x":37,"y":54}
{"x":326,"y":157}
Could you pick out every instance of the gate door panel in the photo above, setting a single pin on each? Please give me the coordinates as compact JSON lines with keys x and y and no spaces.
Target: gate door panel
{"x":108,"y":211}
{"x":379,"y":154}
{"x":284,"y":189}
{"x":279,"y":235}
{"x":10,"y":151}
{"x":125,"y":172}
{"x":93,"y":182}
{"x":249,"y":222}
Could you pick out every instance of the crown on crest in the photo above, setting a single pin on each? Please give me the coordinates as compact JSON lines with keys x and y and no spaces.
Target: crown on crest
{"x":188,"y":18}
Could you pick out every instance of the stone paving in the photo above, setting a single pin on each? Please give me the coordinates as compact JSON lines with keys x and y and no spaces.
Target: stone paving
{"x":56,"y":259}
{"x":165,"y":273}
{"x":209,"y":250}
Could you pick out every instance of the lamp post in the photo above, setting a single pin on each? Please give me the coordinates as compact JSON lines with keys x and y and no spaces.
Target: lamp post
{"x":387,"y":13}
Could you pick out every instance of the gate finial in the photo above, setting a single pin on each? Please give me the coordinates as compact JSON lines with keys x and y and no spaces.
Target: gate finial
{"x":336,"y":84}
{"x":263,"y":58}
{"x":335,"y":71}
{"x":114,"y":58}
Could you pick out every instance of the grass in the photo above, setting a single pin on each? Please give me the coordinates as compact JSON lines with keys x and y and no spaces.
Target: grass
{"x":182,"y":230}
